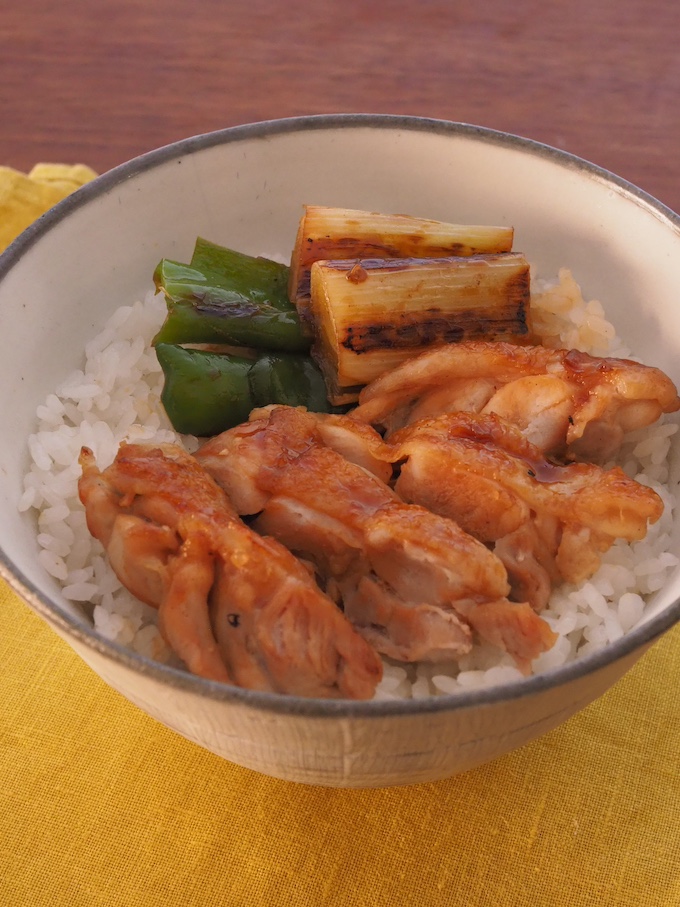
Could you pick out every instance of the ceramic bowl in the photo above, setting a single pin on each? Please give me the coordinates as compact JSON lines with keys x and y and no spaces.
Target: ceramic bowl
{"x":245,"y":187}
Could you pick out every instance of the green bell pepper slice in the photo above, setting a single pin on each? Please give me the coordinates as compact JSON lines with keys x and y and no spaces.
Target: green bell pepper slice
{"x":228,"y":297}
{"x":288,"y":379}
{"x":206,"y":393}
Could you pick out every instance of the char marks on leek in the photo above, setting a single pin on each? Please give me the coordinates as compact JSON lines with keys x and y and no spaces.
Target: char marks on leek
{"x":328,"y":234}
{"x":370,"y":315}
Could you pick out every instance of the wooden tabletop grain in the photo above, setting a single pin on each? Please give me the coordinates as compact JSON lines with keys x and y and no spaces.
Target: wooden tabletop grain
{"x":100,"y":81}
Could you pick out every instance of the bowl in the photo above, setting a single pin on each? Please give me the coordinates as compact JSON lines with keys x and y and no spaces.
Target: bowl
{"x":245,"y":187}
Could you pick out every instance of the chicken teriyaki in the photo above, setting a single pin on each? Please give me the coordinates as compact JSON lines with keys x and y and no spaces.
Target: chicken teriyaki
{"x":412,"y":582}
{"x":548,"y":523}
{"x":568,"y":403}
{"x":235,"y":607}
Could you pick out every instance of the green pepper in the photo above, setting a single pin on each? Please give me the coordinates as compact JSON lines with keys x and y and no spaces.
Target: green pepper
{"x":288,"y":379}
{"x":227,"y":297}
{"x":261,"y":279}
{"x":205,"y":392}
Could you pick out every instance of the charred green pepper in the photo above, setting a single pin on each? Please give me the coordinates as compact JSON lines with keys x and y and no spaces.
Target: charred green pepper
{"x":288,"y":379}
{"x":207,"y":392}
{"x":204,"y":392}
{"x":227,"y":297}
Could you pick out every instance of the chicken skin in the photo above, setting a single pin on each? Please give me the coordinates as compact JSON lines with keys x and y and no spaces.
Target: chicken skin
{"x":234,"y":606}
{"x":567,"y":403}
{"x":548,"y":523}
{"x":413,"y":583}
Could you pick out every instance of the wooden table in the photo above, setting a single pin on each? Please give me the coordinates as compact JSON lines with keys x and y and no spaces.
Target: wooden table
{"x":103,"y":81}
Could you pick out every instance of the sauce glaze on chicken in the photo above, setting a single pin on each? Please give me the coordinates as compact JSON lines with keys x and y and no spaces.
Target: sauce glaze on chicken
{"x":412,"y":582}
{"x":235,"y":607}
{"x":568,"y":403}
{"x":453,"y":527}
{"x":548,"y":523}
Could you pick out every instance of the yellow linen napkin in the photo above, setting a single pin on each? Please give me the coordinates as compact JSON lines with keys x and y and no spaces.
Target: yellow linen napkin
{"x":101,"y":805}
{"x":24,"y":197}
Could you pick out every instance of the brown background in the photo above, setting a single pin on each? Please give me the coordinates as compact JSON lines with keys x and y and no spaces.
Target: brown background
{"x":101,"y":81}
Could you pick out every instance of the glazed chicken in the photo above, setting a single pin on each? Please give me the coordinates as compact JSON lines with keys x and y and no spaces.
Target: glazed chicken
{"x":413,"y":583}
{"x":548,"y":523}
{"x":234,"y":606}
{"x":567,"y":403}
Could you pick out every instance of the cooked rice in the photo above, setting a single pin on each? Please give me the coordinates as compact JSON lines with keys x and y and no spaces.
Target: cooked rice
{"x":116,"y":397}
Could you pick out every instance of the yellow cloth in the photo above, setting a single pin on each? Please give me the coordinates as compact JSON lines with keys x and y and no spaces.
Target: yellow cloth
{"x":24,"y":197}
{"x":101,"y":805}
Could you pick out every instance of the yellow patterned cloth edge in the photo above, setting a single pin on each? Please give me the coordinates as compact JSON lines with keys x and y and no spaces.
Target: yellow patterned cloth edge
{"x":26,"y":196}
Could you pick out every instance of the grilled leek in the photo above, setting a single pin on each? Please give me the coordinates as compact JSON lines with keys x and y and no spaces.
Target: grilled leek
{"x":369,"y":315}
{"x":343,"y":233}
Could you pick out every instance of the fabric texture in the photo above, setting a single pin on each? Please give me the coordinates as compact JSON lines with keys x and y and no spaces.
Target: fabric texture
{"x":101,"y":805}
{"x":25,"y":196}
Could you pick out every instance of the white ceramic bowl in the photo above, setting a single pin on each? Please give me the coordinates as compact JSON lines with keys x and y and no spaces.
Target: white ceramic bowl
{"x":245,"y":187}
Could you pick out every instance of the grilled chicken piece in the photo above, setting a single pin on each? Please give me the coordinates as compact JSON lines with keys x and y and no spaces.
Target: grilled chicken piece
{"x":548,"y":522}
{"x":352,"y":439}
{"x":290,"y":431}
{"x":412,"y":582}
{"x":566,"y":402}
{"x":234,"y":606}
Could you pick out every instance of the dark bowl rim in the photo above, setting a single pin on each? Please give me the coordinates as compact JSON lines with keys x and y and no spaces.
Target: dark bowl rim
{"x":284,"y":704}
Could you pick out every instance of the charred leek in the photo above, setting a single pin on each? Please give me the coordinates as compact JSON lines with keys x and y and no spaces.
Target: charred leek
{"x":343,"y":233}
{"x":369,"y":315}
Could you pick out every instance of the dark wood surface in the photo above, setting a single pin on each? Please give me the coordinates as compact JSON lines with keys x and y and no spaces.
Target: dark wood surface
{"x":100,"y":81}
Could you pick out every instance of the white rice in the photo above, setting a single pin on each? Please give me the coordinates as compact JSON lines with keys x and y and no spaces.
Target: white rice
{"x":116,"y":397}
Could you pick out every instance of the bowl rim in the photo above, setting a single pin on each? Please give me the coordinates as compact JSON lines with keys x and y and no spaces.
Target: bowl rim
{"x":286,"y":704}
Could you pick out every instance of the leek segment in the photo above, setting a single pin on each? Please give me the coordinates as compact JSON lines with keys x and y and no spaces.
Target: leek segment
{"x":369,"y":315}
{"x":342,"y":233}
